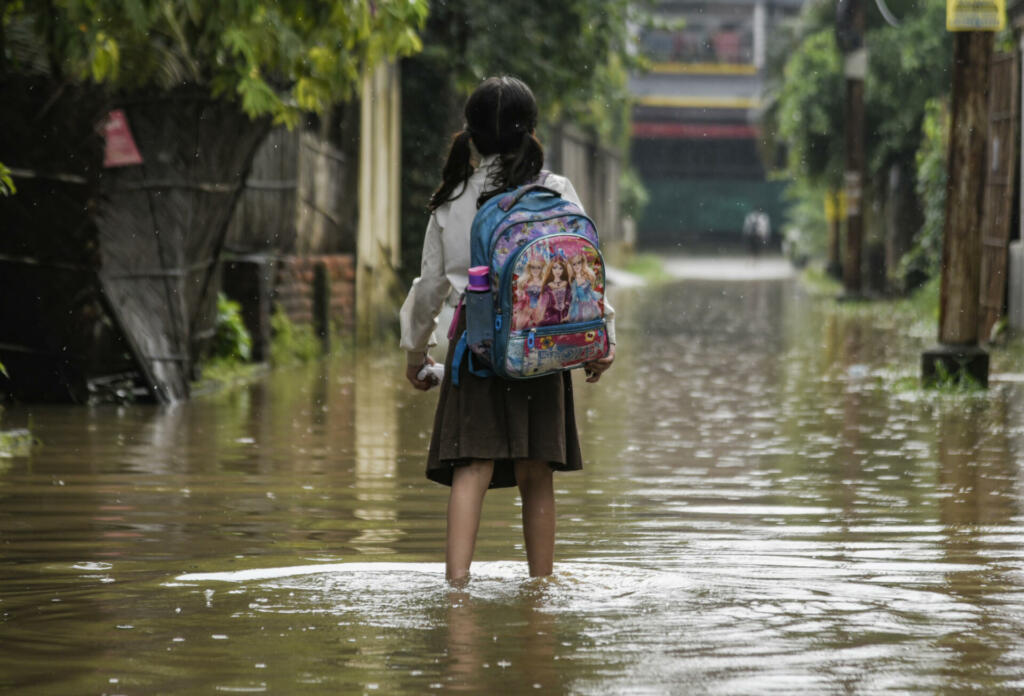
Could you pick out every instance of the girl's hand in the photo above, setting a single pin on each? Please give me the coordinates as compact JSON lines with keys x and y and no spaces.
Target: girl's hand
{"x":595,"y":369}
{"x":422,"y":384}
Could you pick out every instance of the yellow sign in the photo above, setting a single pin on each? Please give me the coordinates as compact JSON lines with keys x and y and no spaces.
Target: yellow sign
{"x":835,"y":206}
{"x":975,"y":15}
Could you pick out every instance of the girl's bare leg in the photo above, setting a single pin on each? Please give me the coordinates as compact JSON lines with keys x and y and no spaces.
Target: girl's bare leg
{"x":469,"y":484}
{"x":536,"y":486}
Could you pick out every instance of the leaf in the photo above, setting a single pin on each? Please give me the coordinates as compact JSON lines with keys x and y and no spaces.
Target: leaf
{"x":137,"y":15}
{"x":6,"y":181}
{"x":106,"y":58}
{"x":162,"y":43}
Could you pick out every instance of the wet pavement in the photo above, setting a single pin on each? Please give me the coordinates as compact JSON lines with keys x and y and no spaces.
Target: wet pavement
{"x":766,"y":508}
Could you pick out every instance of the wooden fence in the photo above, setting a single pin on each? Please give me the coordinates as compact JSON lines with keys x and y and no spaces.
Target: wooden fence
{"x":997,"y":206}
{"x":299,"y":198}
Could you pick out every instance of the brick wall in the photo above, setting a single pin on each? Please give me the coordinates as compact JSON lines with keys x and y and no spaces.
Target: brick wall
{"x":293,"y":287}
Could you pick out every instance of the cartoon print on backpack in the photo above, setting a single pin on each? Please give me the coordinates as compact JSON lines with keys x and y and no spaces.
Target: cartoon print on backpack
{"x":554,"y":300}
{"x":529,"y":287}
{"x":585,"y":302}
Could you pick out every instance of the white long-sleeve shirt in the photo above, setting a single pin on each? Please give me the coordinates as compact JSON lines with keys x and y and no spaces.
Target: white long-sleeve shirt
{"x":445,"y":262}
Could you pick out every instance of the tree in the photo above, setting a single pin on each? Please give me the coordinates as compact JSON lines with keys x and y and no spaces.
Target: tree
{"x":277,"y":58}
{"x":908,"y":66}
{"x":575,"y":55}
{"x":810,"y":111}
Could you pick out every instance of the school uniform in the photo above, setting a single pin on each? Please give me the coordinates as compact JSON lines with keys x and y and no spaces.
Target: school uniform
{"x":484,"y":418}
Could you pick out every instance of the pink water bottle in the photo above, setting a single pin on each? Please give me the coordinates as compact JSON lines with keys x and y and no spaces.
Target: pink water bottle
{"x":479,"y":311}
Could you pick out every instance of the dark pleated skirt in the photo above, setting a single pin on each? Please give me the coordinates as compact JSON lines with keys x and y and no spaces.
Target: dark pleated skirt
{"x":502,"y":420}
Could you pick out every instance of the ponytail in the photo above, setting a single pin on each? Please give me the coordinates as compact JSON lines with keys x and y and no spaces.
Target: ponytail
{"x":516,"y":167}
{"x":457,"y":169}
{"x":501,"y":115}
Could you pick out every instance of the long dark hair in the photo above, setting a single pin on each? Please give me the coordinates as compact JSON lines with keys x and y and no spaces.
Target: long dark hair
{"x":500,"y":117}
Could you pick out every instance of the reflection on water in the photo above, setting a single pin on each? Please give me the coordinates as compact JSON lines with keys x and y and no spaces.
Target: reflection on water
{"x":376,"y":465}
{"x":760,"y":512}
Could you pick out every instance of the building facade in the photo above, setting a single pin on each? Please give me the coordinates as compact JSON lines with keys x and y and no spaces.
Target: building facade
{"x":695,"y":135}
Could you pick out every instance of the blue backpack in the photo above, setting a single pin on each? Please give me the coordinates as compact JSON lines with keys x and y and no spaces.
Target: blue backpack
{"x":547,"y":280}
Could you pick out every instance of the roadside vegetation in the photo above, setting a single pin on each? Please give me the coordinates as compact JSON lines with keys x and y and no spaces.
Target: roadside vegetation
{"x":906,"y":95}
{"x":228,"y":361}
{"x":293,"y":344}
{"x":648,"y":266}
{"x":277,"y":59}
{"x":582,"y":81}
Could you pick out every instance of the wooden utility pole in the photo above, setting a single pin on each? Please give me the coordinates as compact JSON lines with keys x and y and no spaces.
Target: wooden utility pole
{"x":850,"y":37}
{"x":958,"y":354}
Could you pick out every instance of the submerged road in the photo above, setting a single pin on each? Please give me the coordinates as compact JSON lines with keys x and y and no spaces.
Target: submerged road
{"x":766,"y":507}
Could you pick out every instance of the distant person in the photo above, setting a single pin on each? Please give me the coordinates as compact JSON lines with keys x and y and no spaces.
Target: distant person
{"x":757,"y":231}
{"x":490,"y":432}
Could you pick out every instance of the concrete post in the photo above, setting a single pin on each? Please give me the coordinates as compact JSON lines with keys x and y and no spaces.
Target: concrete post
{"x":378,"y":249}
{"x":760,"y":34}
{"x":1015,"y":291}
{"x":322,"y":305}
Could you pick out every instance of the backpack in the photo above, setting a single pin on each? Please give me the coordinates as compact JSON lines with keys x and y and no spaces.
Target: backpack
{"x":547,"y":279}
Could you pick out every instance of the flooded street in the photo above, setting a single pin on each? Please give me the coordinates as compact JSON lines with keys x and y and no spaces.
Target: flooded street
{"x":764,"y":509}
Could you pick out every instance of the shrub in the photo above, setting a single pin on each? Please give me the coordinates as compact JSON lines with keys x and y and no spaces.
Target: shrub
{"x":231,"y":340}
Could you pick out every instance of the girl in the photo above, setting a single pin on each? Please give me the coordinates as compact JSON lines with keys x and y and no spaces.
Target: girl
{"x":554,"y":302}
{"x":488,"y":432}
{"x":585,"y":303}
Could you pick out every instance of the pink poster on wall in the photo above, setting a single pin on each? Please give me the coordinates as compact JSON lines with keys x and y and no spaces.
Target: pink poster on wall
{"x":120,"y":149}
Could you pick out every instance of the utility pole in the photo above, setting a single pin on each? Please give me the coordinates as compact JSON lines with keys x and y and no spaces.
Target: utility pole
{"x":850,"y":37}
{"x":958,"y":355}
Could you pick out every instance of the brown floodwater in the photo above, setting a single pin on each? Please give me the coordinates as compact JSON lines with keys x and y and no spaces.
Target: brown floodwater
{"x":766,"y":507}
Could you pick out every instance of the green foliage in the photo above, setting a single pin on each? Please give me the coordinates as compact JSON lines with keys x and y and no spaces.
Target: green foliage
{"x":923,"y":303}
{"x":278,"y":58}
{"x":926,"y":254}
{"x":292,"y":343}
{"x":819,"y":283}
{"x":957,"y":381}
{"x":650,"y":267}
{"x":810,"y":111}
{"x":633,"y":196}
{"x":220,"y":375}
{"x":805,"y":228}
{"x":16,"y":443}
{"x":6,"y":182}
{"x":575,"y":55}
{"x":908,"y":66}
{"x":231,"y":340}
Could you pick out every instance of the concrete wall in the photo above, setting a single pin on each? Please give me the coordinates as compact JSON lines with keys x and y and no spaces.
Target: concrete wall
{"x":378,"y":290}
{"x":594,"y":171}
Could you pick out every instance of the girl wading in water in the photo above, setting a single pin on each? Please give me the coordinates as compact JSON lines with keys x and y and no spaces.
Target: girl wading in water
{"x":490,"y":432}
